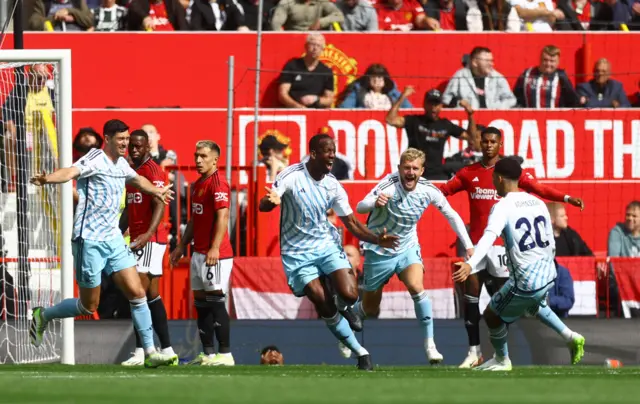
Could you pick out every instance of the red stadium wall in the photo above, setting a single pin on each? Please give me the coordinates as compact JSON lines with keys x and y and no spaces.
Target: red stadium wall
{"x":189,"y":70}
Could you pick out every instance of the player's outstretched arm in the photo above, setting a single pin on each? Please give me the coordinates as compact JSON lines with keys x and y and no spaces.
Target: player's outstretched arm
{"x":457,"y":224}
{"x":531,"y":185}
{"x":464,"y":269}
{"x":165,"y":194}
{"x":57,"y":177}
{"x":363,"y":233}
{"x":156,"y":217}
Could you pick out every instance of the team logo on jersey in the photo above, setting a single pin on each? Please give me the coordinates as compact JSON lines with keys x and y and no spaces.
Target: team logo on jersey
{"x":344,"y":68}
{"x":197,"y":208}
{"x":221,"y":196}
{"x":201,"y":192}
{"x":483,"y":193}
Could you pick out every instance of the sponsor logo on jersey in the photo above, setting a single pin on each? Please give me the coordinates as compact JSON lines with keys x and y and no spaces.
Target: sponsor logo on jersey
{"x":158,"y":184}
{"x":197,"y":208}
{"x":483,"y":193}
{"x":221,"y":196}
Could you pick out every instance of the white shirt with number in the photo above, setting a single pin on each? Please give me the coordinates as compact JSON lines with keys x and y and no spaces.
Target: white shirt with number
{"x":525,"y":225}
{"x":304,"y":226}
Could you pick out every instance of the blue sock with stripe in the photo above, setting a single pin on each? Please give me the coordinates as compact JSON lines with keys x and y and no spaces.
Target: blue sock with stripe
{"x":141,"y":316}
{"x":339,"y":326}
{"x":498,"y":337}
{"x":65,"y":309}
{"x":424,"y":314}
{"x":551,"y":320}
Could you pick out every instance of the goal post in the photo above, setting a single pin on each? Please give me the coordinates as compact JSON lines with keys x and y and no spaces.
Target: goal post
{"x":37,"y":120}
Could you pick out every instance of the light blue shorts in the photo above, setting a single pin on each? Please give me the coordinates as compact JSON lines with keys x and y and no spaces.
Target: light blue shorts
{"x":378,"y":269}
{"x":511,"y":304}
{"x":92,"y":258}
{"x":303,"y":268}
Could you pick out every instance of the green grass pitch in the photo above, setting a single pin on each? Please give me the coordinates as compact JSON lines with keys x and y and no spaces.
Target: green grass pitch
{"x":315,"y":384}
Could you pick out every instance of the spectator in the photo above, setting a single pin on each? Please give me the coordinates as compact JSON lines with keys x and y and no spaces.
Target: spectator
{"x":109,"y":17}
{"x":624,"y":238}
{"x":536,"y":16}
{"x":403,"y":15}
{"x":208,"y":15}
{"x":610,"y":15}
{"x":342,"y":167}
{"x":242,"y":15}
{"x":577,"y":14}
{"x":568,"y":241}
{"x":429,"y":132}
{"x":271,"y":355}
{"x":158,"y":153}
{"x":359,"y":15}
{"x":374,"y":90}
{"x":495,"y":15}
{"x":479,"y":84}
{"x":273,"y":156}
{"x":561,"y":295}
{"x":59,"y":15}
{"x":156,"y":15}
{"x":85,"y":140}
{"x":546,"y":86}
{"x":306,"y":82}
{"x":602,"y":91}
{"x":451,"y":14}
{"x":312,"y":15}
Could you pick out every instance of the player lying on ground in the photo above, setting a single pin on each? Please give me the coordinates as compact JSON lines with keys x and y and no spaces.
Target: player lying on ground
{"x":397,"y":204}
{"x":149,"y":237}
{"x":212,"y":260}
{"x":98,"y":245}
{"x":524,"y":223}
{"x":310,"y":245}
{"x":476,"y":179}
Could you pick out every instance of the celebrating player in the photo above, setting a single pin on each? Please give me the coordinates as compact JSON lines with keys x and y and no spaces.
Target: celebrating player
{"x":310,"y":245}
{"x":476,"y":179}
{"x":524,"y":223}
{"x":212,"y":259}
{"x":397,"y":203}
{"x":98,"y":245}
{"x":149,"y":241}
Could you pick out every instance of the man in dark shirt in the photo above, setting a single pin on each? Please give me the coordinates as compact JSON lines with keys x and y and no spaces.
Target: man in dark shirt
{"x":306,"y":82}
{"x":568,"y":241}
{"x":242,"y":15}
{"x":429,"y":132}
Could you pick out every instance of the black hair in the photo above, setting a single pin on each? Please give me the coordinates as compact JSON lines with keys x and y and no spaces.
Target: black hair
{"x":92,"y":132}
{"x":269,"y":348}
{"x":491,"y":130}
{"x":113,"y":126}
{"x":478,"y":50}
{"x":633,"y":204}
{"x":509,"y":168}
{"x":141,"y":133}
{"x":316,"y":141}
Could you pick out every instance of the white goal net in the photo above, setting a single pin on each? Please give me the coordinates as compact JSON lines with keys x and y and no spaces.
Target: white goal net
{"x":31,"y":218}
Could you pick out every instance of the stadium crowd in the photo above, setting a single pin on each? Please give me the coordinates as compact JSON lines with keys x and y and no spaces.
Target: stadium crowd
{"x":339,"y":15}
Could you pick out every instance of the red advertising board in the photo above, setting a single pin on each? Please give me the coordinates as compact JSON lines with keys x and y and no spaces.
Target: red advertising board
{"x":189,"y":70}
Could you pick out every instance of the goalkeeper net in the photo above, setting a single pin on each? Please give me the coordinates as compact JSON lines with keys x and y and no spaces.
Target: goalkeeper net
{"x":30,"y":217}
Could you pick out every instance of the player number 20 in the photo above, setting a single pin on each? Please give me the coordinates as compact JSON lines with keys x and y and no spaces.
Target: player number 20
{"x":529,"y":241}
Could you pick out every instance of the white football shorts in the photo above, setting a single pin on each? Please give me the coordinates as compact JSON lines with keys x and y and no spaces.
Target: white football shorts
{"x":150,"y":258}
{"x":210,"y":278}
{"x":495,"y":262}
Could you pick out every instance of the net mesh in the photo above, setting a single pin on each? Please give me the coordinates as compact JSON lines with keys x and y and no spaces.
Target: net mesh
{"x":29,"y":215}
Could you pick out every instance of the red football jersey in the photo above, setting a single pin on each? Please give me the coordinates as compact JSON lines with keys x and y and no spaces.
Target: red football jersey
{"x":207,"y":196}
{"x":477,"y":180}
{"x":140,"y":207}
{"x":158,"y":13}
{"x":390,"y":19}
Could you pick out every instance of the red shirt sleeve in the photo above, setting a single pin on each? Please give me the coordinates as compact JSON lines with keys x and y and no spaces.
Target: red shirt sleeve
{"x":453,"y":186}
{"x":416,"y":10}
{"x":221,"y":196}
{"x":530,"y":184}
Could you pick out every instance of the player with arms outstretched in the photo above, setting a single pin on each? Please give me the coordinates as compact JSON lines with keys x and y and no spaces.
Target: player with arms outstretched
{"x":98,"y":245}
{"x":311,"y":246}
{"x":477,"y":180}
{"x":397,"y":204}
{"x":523,"y":222}
{"x":212,"y":259}
{"x":149,"y":244}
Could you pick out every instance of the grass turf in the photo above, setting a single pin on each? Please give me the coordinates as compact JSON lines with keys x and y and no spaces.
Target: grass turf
{"x":315,"y":384}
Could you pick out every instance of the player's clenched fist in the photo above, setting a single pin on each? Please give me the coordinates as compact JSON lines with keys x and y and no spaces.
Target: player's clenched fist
{"x":382,"y":200}
{"x":272,"y":196}
{"x":39,"y":179}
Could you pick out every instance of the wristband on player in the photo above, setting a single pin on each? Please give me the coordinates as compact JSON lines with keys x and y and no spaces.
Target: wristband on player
{"x":566,"y":198}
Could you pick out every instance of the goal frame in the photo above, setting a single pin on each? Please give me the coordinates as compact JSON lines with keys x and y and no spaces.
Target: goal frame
{"x":62,"y":57}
